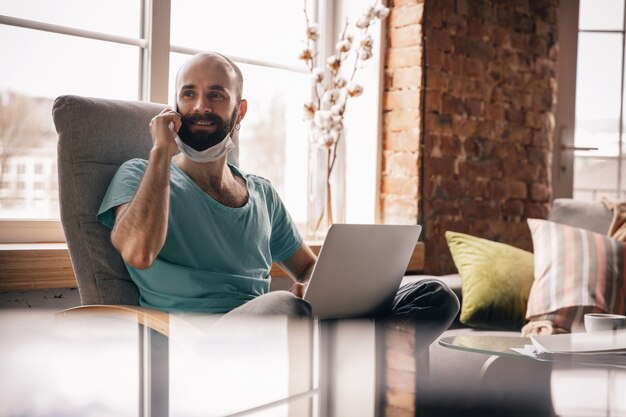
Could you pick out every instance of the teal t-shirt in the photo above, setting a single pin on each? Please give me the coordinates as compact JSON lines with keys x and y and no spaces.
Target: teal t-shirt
{"x":215,"y":258}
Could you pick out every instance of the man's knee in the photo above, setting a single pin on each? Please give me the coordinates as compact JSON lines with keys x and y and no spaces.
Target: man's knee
{"x":276,"y":303}
{"x":287,"y":303}
{"x":430,"y":297}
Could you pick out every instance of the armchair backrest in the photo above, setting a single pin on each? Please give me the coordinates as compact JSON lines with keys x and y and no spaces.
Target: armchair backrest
{"x":590,"y":215}
{"x":95,"y":137}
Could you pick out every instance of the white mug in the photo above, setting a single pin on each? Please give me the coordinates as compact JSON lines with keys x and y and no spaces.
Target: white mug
{"x":597,"y":322}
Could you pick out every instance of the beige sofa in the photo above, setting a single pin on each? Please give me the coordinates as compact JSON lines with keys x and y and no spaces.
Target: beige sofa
{"x":454,"y":382}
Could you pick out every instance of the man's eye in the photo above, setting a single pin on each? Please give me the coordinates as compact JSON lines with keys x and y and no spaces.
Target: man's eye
{"x":188,"y":94}
{"x":216,"y":96}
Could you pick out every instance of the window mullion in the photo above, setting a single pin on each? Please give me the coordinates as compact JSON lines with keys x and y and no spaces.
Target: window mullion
{"x":156,"y":57}
{"x":326,"y":18}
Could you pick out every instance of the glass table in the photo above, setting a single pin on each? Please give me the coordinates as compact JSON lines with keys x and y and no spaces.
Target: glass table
{"x":97,"y":366}
{"x":567,"y":385}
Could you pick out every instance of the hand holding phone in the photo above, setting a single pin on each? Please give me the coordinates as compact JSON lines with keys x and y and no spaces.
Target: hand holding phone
{"x":163,"y":127}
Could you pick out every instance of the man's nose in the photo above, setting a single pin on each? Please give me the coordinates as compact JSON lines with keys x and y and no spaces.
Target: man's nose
{"x":203,"y":105}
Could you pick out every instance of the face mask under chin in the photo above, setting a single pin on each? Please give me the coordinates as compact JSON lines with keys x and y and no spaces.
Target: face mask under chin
{"x":211,"y":154}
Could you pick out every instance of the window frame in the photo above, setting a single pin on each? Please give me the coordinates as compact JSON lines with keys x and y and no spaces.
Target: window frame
{"x":565,"y":149}
{"x":154,"y":49}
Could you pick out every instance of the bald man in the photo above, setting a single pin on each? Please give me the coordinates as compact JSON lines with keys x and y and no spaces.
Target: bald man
{"x":198,"y":234}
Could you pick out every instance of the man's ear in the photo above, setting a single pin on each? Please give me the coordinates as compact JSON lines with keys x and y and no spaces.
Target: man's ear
{"x":243,"y":108}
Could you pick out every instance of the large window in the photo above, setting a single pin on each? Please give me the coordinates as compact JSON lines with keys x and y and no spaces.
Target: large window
{"x":600,"y":171}
{"x":131,"y":50}
{"x":100,"y":49}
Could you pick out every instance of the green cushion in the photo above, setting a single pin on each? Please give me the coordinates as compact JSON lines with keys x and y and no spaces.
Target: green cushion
{"x":495,"y":281}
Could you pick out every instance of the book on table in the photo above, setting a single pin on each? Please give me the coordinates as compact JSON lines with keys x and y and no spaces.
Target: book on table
{"x":582,"y":343}
{"x":595,"y":348}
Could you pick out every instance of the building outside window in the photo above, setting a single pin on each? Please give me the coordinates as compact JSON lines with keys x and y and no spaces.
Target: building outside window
{"x":600,"y":171}
{"x":98,"y":51}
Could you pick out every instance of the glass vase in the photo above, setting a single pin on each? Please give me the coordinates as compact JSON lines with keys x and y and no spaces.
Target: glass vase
{"x":326,"y":189}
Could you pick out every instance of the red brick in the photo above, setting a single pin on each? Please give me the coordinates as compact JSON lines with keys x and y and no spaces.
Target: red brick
{"x":399,"y":359}
{"x":405,"y":36}
{"x":453,"y":64}
{"x":400,"y":399}
{"x":480,"y":210}
{"x":520,"y":135}
{"x":538,"y":156}
{"x":392,"y":411}
{"x":438,"y":122}
{"x":474,"y":48}
{"x":534,"y":210}
{"x":515,"y":116}
{"x":441,"y":5}
{"x":515,"y":189}
{"x":473,"y":67}
{"x":452,"y":188}
{"x":400,"y":209}
{"x":438,"y":206}
{"x":484,"y":169}
{"x":404,"y":381}
{"x":520,"y":171}
{"x":450,"y":145}
{"x":404,"y":57}
{"x":477,"y":148}
{"x":408,"y":15}
{"x":440,"y":40}
{"x":475,"y":107}
{"x":540,"y":192}
{"x":486,"y":129}
{"x":543,"y":100}
{"x":464,"y":127}
{"x":402,"y":164}
{"x":410,"y":77}
{"x":405,"y":140}
{"x":402,"y":119}
{"x":439,"y":166}
{"x":451,"y":223}
{"x":510,"y":152}
{"x":435,"y":58}
{"x":432,"y":101}
{"x":435,"y":20}
{"x":513,"y":208}
{"x":399,"y":186}
{"x":494,"y":112}
{"x":500,"y":36}
{"x":399,"y":3}
{"x":542,"y":139}
{"x":497,"y":189}
{"x":487,"y":149}
{"x":452,"y":105}
{"x":401,"y":100}
{"x":456,"y":25}
{"x":437,"y":80}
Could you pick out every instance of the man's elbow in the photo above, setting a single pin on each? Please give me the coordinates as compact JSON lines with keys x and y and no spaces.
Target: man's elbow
{"x":137,"y":257}
{"x":138,"y":260}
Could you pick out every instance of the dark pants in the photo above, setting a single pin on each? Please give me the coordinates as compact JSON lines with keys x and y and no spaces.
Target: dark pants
{"x":429,"y":304}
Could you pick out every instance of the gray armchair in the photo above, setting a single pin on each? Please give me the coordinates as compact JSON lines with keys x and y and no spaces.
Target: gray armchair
{"x":95,"y":137}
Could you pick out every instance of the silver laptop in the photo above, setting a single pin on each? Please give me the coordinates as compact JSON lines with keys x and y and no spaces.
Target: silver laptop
{"x":359,"y":269}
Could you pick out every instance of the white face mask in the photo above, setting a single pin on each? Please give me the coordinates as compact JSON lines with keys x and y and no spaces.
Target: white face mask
{"x":211,"y":154}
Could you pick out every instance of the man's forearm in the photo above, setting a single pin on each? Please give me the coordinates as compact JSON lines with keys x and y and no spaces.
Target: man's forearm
{"x":140,"y":230}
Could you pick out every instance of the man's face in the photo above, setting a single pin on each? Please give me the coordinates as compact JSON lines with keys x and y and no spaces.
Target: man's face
{"x":207,"y":102}
{"x":202,"y":131}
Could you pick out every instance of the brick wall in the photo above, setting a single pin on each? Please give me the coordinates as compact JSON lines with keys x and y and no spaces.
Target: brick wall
{"x":468,"y":119}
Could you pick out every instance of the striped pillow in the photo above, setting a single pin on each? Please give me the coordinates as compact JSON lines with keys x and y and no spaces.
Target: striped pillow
{"x":576,"y":272}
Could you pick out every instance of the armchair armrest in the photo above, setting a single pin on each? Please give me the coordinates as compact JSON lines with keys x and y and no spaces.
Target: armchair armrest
{"x":154,"y":319}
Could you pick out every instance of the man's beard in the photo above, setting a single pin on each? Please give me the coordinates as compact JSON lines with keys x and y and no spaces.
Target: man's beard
{"x":201,"y":141}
